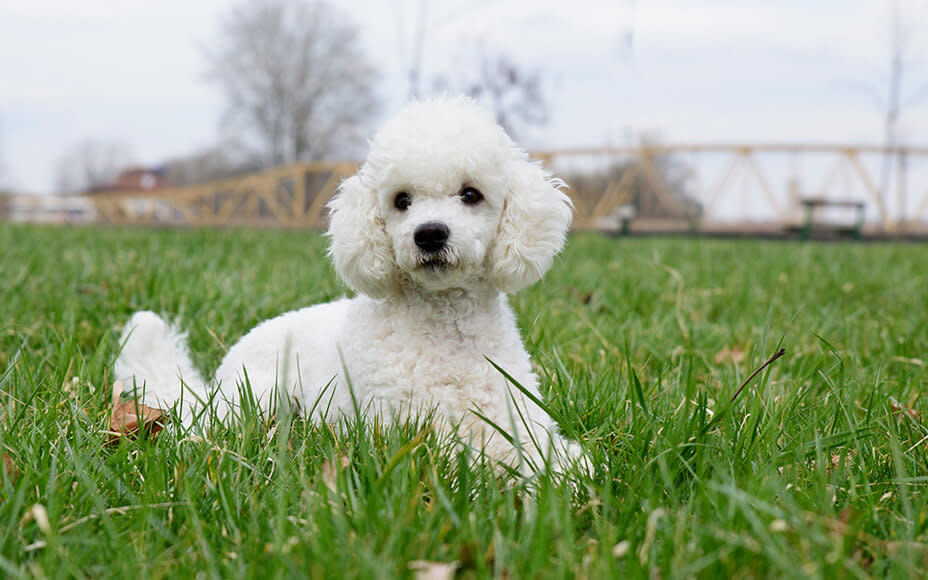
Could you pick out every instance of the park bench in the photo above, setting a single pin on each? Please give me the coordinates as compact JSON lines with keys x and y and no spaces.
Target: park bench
{"x":624,"y":220}
{"x":812,"y":225}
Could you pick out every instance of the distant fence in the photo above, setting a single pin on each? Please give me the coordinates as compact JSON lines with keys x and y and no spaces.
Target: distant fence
{"x":723,"y":183}
{"x":741,"y":184}
{"x":290,"y":197}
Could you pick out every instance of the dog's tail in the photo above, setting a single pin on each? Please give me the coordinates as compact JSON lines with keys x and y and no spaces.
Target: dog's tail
{"x":155,"y":363}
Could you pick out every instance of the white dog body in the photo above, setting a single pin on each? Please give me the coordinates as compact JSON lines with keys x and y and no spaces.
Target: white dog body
{"x":444,"y":369}
{"x":445,"y":216}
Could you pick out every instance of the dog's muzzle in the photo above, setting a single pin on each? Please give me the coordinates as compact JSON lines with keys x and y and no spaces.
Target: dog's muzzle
{"x":431,"y":237}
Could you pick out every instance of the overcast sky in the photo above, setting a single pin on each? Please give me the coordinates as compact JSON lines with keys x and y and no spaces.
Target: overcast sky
{"x":711,"y":71}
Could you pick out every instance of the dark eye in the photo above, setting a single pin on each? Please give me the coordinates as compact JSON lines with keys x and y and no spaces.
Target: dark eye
{"x":402,"y":201}
{"x":471,"y":196}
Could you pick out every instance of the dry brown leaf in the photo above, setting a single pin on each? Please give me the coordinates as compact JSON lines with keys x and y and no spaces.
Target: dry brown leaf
{"x":911,"y":361}
{"x":330,"y":471}
{"x":621,"y":549}
{"x":130,"y":418}
{"x":426,"y":570}
{"x":735,"y":355}
{"x":9,"y":468}
{"x":40,"y":515}
{"x":899,"y":408}
{"x":843,"y":457}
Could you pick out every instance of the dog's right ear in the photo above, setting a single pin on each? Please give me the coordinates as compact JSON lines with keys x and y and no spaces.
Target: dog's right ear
{"x":360,"y":248}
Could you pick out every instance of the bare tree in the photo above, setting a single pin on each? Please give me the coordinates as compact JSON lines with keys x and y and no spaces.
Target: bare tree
{"x":513,"y":92}
{"x":4,"y":177}
{"x":295,"y":79}
{"x":90,"y":165}
{"x":418,"y":48}
{"x":210,"y":164}
{"x":893,"y":98}
{"x":897,"y":99}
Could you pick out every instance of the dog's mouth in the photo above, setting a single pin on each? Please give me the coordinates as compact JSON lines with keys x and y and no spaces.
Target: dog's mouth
{"x":435,"y":265}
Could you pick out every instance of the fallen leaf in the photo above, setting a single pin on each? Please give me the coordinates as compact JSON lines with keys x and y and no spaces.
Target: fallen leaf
{"x":842,"y":457}
{"x":425,"y":570}
{"x":911,"y":546}
{"x":40,"y":515}
{"x":898,"y":407}
{"x":130,"y":418}
{"x":9,"y":468}
{"x":778,"y":525}
{"x":735,"y":355}
{"x":621,"y":549}
{"x":330,"y":471}
{"x":644,"y":551}
{"x":911,"y":361}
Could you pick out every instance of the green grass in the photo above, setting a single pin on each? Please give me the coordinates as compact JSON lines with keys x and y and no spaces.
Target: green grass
{"x":811,"y":472}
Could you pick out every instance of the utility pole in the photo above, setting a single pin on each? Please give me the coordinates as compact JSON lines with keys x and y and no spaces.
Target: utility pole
{"x":891,"y":120}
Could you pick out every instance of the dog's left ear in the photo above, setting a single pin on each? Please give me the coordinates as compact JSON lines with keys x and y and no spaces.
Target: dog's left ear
{"x":533,"y":226}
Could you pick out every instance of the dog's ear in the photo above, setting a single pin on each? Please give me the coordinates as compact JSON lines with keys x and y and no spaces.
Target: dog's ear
{"x":360,"y":248}
{"x":533,"y":226}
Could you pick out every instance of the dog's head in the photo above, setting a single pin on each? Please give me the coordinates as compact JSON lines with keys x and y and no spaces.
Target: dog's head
{"x":446,"y":199}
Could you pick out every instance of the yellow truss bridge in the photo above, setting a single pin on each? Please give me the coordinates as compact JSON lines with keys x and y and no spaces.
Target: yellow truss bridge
{"x":682,"y":186}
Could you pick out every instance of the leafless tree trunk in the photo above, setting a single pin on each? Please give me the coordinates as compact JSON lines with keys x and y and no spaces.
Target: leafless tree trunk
{"x":892,"y":100}
{"x":898,"y":43}
{"x":210,"y":164}
{"x":418,"y":45}
{"x":513,"y":92}
{"x":90,"y":165}
{"x":895,"y":103}
{"x":295,"y":79}
{"x":3,"y":171}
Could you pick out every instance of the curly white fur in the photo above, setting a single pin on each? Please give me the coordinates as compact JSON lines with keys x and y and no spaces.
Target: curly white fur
{"x":424,"y":323}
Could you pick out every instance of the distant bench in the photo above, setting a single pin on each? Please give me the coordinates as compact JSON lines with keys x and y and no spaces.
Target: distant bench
{"x":816,"y":227}
{"x":624,"y":220}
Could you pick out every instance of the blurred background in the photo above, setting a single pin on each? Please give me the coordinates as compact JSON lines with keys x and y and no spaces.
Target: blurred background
{"x":724,"y":117}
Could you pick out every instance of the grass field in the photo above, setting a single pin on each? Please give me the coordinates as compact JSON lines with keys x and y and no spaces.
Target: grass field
{"x":818,"y":468}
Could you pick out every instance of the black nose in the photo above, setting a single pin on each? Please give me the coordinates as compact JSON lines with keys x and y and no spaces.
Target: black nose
{"x":431,"y":237}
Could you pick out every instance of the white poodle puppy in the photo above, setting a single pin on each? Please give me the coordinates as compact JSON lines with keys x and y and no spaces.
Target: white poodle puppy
{"x":446,"y":215}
